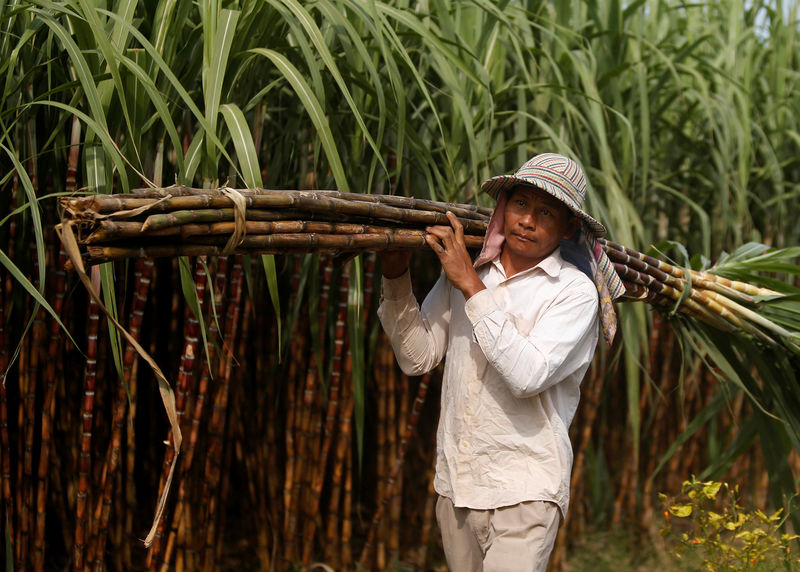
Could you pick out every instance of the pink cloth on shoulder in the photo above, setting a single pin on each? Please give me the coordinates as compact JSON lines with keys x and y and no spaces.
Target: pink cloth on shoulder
{"x":495,"y":237}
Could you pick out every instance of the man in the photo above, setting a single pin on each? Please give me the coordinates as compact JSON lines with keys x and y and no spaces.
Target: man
{"x":518,"y":329}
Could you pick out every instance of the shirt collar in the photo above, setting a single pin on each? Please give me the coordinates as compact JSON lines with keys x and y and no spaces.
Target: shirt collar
{"x":551,"y":265}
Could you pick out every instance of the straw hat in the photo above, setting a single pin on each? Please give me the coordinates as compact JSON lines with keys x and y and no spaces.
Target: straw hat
{"x":555,"y":174}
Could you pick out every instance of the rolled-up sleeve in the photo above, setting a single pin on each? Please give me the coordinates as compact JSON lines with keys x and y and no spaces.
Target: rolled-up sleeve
{"x":418,"y":335}
{"x":560,"y":343}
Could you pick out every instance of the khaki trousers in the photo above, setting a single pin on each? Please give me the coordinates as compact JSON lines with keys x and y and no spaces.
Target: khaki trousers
{"x":509,"y":539}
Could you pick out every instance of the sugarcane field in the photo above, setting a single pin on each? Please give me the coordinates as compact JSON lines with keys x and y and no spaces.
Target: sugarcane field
{"x":245,"y":249}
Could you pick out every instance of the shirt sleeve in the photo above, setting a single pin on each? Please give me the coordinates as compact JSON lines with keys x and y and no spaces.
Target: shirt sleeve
{"x":561,"y":342}
{"x":418,"y":335}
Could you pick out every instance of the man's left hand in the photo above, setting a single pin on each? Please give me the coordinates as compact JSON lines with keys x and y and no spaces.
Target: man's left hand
{"x":448,"y":244}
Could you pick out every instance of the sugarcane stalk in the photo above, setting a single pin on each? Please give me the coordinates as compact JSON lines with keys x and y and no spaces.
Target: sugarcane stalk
{"x":399,"y":461}
{"x":717,"y":293}
{"x":675,"y":276}
{"x":591,"y":389}
{"x":347,"y":497}
{"x":218,"y":419}
{"x":266,"y":362}
{"x":3,"y":529}
{"x":5,"y":442}
{"x":43,"y":329}
{"x":170,"y":220}
{"x":70,"y":183}
{"x":312,"y":241}
{"x":705,"y":279}
{"x":35,"y":516}
{"x":142,"y":280}
{"x":184,"y":198}
{"x":130,"y":458}
{"x":98,"y":254}
{"x":180,"y":210}
{"x":689,"y":377}
{"x":34,"y":506}
{"x":215,"y":540}
{"x":750,"y":315}
{"x":396,"y":476}
{"x":392,"y":427}
{"x":724,"y":312}
{"x":28,"y":373}
{"x":691,"y":403}
{"x":181,"y":528}
{"x":109,"y":230}
{"x":103,"y":230}
{"x":294,"y":396}
{"x":661,"y":352}
{"x":85,"y":462}
{"x":185,"y":373}
{"x":347,"y":505}
{"x":253,"y":462}
{"x":304,"y":453}
{"x":19,"y":497}
{"x":315,"y":479}
{"x":65,"y":413}
{"x":428,"y":516}
{"x":384,"y":372}
{"x":638,"y":292}
{"x":43,"y":473}
{"x":55,"y":365}
{"x":326,"y":266}
{"x":722,"y":320}
{"x":63,"y":467}
{"x":369,"y":281}
{"x":48,"y":462}
{"x":332,"y":547}
{"x":98,"y":430}
{"x":236,"y":337}
{"x":274,"y":244}
{"x":652,"y":286}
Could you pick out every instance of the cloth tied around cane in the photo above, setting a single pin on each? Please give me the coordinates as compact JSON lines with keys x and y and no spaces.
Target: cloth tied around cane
{"x":239,"y":219}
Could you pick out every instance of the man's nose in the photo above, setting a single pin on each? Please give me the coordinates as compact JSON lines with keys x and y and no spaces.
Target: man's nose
{"x":528,"y":220}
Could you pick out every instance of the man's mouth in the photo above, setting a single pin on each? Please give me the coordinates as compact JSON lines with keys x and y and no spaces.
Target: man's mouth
{"x":523,"y":237}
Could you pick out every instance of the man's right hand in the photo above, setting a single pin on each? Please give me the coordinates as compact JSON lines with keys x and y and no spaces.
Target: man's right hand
{"x":394,"y":263}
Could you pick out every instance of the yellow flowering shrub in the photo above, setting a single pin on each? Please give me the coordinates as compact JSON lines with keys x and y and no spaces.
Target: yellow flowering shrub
{"x":705,"y":528}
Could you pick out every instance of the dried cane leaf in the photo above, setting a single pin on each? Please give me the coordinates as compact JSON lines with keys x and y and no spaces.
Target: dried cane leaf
{"x":67,"y":236}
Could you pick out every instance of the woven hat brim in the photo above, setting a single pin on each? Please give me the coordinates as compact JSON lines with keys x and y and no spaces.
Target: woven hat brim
{"x":494,"y":186}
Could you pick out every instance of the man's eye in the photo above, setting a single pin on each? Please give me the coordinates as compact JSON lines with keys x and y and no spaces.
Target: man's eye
{"x":520,"y":203}
{"x":546,"y":211}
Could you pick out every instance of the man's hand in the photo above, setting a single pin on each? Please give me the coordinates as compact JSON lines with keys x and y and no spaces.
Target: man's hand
{"x":448,"y":244}
{"x":394,"y":263}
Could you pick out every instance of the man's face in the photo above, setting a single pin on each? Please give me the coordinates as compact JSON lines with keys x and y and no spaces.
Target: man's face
{"x":535,"y":222}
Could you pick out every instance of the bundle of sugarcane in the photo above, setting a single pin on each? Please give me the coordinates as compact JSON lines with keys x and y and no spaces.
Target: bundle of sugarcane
{"x":733,"y":306}
{"x":180,"y":221}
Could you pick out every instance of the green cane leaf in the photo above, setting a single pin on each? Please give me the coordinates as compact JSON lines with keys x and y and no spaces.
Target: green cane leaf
{"x":271,"y":273}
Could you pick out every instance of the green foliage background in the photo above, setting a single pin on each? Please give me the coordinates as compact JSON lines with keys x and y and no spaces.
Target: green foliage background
{"x":684,"y":115}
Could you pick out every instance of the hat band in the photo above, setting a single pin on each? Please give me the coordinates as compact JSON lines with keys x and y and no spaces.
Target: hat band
{"x":564,"y":183}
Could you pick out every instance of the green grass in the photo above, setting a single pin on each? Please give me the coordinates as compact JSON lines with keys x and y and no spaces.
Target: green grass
{"x":616,"y":550}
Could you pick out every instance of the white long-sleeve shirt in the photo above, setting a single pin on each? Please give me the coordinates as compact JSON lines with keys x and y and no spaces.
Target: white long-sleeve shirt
{"x":515,"y":353}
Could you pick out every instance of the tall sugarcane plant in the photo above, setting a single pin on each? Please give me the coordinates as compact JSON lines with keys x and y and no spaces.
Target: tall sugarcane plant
{"x":684,"y":116}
